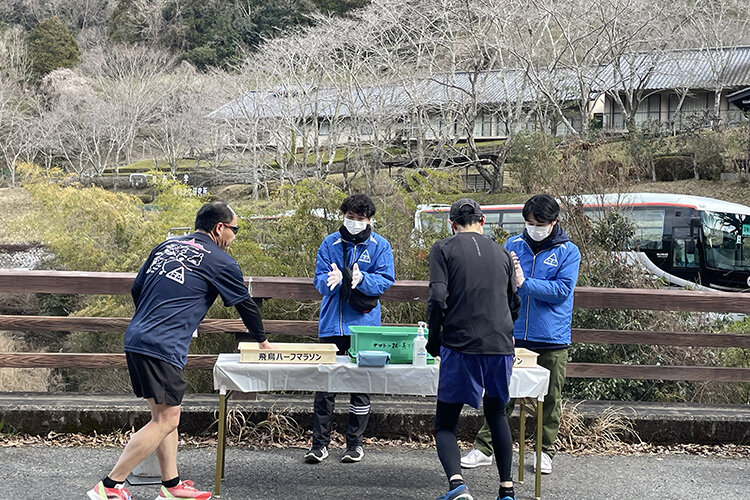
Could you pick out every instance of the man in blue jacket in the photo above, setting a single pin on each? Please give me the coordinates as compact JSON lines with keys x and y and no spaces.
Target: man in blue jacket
{"x":546,"y":270}
{"x":354,"y":268}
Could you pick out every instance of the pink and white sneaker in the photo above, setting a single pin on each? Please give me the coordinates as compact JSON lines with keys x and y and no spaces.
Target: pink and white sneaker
{"x":99,"y":492}
{"x":184,"y":490}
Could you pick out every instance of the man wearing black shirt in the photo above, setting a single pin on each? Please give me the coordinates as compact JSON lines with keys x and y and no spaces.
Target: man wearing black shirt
{"x":472,"y":306}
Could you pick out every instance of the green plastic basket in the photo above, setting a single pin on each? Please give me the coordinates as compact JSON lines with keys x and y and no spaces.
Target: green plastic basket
{"x":396,"y":340}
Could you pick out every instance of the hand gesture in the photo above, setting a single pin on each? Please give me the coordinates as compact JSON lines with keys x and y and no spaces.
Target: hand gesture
{"x":520,"y":278}
{"x":356,"y":276}
{"x":334,"y":277}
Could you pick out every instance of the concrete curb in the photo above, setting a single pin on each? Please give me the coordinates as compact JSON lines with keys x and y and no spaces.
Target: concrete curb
{"x":391,"y":418}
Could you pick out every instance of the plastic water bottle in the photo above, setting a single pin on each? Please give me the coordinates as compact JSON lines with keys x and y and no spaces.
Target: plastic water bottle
{"x":419,"y":354}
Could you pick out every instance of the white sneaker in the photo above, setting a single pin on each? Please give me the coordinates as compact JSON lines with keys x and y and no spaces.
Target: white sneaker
{"x":474,"y":459}
{"x":546,"y":466}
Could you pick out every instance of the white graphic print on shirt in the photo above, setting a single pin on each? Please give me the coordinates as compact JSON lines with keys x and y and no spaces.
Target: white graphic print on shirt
{"x":180,"y":252}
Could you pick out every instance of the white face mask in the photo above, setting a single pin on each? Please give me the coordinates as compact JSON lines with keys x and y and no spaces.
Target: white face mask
{"x":354,"y":226}
{"x":538,"y":233}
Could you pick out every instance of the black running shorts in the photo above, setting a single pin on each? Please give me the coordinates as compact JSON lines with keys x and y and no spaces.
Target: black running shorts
{"x":154,"y":378}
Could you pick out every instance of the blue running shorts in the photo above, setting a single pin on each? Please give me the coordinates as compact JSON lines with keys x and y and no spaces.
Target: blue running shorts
{"x":465,"y":378}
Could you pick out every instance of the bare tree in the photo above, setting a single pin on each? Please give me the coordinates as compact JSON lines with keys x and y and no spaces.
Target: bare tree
{"x":372,"y":103}
{"x":133,"y":80}
{"x":18,"y":107}
{"x":471,"y":86}
{"x":561,"y":49}
{"x":144,"y":20}
{"x":79,"y":13}
{"x":15,"y":63}
{"x":302,"y":109}
{"x":86,"y":125}
{"x":718,"y":26}
{"x":181,"y":119}
{"x":16,"y":118}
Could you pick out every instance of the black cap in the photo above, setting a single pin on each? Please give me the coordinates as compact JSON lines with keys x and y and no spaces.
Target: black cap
{"x":463,"y":207}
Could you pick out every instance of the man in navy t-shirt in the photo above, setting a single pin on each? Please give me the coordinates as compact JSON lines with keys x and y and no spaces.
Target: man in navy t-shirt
{"x":172,"y":293}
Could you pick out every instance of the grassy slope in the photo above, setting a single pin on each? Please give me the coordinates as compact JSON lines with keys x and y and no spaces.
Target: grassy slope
{"x":15,"y":203}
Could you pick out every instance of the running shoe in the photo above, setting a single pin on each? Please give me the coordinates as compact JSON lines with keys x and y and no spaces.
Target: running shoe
{"x":459,"y":493}
{"x":99,"y":492}
{"x":316,"y":455}
{"x":353,"y":454}
{"x":474,"y":459}
{"x":185,"y":490}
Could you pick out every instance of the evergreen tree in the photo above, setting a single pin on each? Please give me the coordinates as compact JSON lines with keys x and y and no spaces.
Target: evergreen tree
{"x":52,"y":46}
{"x":121,"y":27}
{"x":213,"y":32}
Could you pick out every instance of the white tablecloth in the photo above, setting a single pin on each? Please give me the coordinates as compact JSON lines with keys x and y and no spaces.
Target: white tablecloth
{"x":345,"y":376}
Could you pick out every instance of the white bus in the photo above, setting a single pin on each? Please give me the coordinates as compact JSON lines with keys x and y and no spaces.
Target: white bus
{"x":687,"y":240}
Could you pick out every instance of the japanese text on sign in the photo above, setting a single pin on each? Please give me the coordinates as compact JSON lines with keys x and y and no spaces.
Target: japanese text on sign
{"x":288,"y":356}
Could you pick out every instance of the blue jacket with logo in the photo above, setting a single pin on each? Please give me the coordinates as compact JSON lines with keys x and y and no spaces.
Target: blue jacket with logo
{"x":375,"y":260}
{"x":547,"y":292}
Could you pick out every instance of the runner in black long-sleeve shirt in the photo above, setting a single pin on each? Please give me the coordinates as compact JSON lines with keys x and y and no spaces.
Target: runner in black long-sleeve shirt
{"x":472,"y":306}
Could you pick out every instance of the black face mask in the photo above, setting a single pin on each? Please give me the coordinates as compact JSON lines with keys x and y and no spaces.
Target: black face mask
{"x":355,"y":238}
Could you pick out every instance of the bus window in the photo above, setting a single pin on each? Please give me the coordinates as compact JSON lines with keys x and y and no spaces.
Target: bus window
{"x":434,"y":222}
{"x":649,"y":228}
{"x":684,"y":249}
{"x":726,"y":247}
{"x":492,"y":219}
{"x":513,"y":223}
{"x":649,"y":225}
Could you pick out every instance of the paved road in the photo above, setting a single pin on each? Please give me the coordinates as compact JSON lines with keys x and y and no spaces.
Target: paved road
{"x":66,"y":473}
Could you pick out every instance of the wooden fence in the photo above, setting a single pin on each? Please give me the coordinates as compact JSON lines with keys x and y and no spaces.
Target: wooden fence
{"x":402,"y":291}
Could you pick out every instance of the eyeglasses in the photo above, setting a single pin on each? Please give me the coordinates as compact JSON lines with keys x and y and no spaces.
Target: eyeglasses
{"x":233,"y":228}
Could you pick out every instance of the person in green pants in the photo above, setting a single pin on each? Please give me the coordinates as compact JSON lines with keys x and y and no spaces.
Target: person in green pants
{"x":546,"y":270}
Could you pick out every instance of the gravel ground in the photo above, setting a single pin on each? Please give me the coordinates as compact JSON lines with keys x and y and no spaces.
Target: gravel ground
{"x":390,"y":472}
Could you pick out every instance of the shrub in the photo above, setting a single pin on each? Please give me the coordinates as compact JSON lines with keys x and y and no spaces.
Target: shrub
{"x":52,"y":46}
{"x":535,"y":158}
{"x":673,"y":168}
{"x":706,"y":149}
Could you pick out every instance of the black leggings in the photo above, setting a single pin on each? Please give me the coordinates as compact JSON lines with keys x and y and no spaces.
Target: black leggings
{"x":446,"y":422}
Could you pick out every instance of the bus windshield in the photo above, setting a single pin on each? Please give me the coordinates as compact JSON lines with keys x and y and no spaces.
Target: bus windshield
{"x":727,"y":240}
{"x":437,"y":222}
{"x":434,"y":222}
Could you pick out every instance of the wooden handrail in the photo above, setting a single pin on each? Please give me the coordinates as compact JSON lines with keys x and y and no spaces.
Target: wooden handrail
{"x":634,"y":337}
{"x":310,"y":328}
{"x":86,"y":360}
{"x":401,"y":291}
{"x":88,"y":324}
{"x":651,"y":372}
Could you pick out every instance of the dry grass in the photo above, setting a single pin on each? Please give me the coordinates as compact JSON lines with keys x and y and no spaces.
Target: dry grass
{"x":21,"y":379}
{"x":16,"y":203}
{"x":119,"y":439}
{"x":603,"y":437}
{"x":605,"y":433}
{"x":277,"y":430}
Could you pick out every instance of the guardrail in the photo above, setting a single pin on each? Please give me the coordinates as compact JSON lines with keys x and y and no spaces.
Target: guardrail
{"x":401,"y":291}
